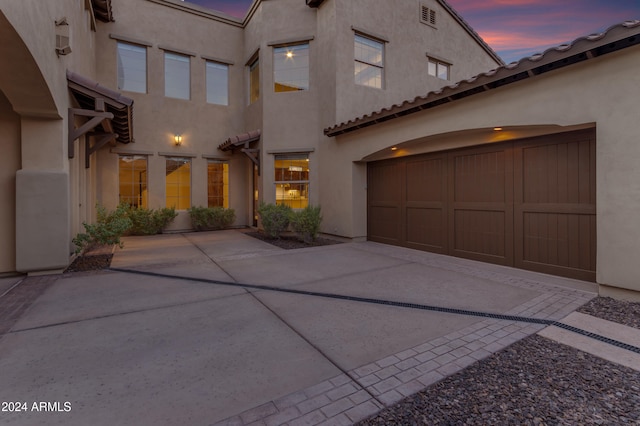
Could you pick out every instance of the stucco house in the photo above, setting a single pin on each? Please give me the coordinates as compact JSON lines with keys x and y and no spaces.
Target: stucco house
{"x":161,"y":103}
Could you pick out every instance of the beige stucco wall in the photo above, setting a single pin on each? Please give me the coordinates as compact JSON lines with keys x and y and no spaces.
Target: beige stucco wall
{"x":39,"y":95}
{"x":9,"y":164}
{"x":601,"y":92}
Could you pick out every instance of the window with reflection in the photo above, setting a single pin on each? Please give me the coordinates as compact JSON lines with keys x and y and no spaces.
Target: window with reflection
{"x":254,"y":81}
{"x":217,"y":83}
{"x":291,"y":68}
{"x":369,"y":61}
{"x":132,"y":67}
{"x":132,"y":180}
{"x":292,"y":180}
{"x":178,"y":183}
{"x":176,"y":76}
{"x":439,"y":69}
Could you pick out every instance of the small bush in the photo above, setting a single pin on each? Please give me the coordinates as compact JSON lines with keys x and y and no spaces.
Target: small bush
{"x":150,"y":221}
{"x":275,"y":218}
{"x":211,"y":218}
{"x":107,"y":230}
{"x":306,"y":223}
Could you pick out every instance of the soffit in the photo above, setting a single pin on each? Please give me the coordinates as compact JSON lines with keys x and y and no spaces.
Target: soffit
{"x":615,"y":38}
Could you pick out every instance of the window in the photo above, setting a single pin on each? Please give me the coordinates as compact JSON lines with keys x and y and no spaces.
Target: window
{"x":427,"y":16}
{"x":292,"y":180}
{"x":178,"y":183}
{"x":368,"y":61}
{"x":291,"y":68}
{"x":217,"y":83}
{"x":132,"y":176}
{"x":132,"y":68}
{"x":254,"y":81}
{"x":439,"y":69}
{"x":176,"y":76}
{"x":217,"y":184}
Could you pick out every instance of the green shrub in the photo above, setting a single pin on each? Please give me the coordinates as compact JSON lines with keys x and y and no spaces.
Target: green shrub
{"x":306,"y":223}
{"x":150,"y":221}
{"x":275,"y":218}
{"x":107,"y":230}
{"x":211,"y":218}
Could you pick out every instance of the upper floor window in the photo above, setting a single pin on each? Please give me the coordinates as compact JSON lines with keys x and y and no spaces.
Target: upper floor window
{"x":291,"y":68}
{"x":369,"y":61}
{"x":132,"y":67}
{"x":254,"y":80}
{"x":217,"y":83}
{"x":440,"y":69}
{"x":177,"y":81}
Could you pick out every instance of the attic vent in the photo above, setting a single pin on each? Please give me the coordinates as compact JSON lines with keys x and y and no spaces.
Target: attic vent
{"x":427,"y":16}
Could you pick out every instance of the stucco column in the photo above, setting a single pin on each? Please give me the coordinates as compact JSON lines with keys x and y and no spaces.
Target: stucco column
{"x":42,"y":198}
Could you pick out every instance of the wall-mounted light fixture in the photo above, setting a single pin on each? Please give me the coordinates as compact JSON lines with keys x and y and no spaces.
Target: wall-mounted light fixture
{"x":177,"y":139}
{"x":497,"y":129}
{"x":394,"y":148}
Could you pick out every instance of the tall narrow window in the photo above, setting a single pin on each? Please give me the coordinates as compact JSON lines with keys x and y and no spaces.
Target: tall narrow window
{"x":254,"y":81}
{"x":369,"y":62}
{"x":176,"y":76}
{"x":132,"y":67}
{"x":217,"y":184}
{"x":178,"y":183}
{"x":292,"y":180}
{"x":291,"y":68}
{"x":217,"y":83}
{"x":132,"y":177}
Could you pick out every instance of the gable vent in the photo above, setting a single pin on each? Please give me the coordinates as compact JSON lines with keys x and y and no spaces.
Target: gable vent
{"x":427,"y":16}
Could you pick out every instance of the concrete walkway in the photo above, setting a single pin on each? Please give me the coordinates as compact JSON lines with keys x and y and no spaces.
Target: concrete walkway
{"x":130,"y":349}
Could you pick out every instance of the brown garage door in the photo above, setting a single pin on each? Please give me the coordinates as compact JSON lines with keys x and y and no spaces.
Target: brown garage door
{"x":529,"y":203}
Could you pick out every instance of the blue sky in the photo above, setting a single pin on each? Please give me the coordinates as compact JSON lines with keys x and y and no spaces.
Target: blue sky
{"x":515,"y":28}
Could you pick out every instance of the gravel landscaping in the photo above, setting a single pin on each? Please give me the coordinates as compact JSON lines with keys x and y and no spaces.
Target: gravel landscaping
{"x":533,"y":382}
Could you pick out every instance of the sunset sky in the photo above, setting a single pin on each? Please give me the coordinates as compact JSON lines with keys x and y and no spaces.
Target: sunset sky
{"x":515,"y":28}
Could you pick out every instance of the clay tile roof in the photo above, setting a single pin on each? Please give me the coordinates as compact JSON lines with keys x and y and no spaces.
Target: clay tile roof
{"x":617,"y":37}
{"x":85,"y":91}
{"x":238,"y":140}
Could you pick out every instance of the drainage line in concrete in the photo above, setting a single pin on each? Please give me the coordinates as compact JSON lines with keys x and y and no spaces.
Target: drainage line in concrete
{"x":431,"y":308}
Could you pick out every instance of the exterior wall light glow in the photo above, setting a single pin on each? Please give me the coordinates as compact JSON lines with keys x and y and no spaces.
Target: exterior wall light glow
{"x":395,"y":148}
{"x":177,"y":139}
{"x":497,"y":129}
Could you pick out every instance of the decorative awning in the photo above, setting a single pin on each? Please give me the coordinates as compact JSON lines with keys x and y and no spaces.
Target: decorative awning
{"x":102,"y":10}
{"x":110,"y":115}
{"x":243,"y":142}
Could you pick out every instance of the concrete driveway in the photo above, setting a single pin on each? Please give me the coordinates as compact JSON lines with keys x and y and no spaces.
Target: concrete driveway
{"x":308,"y":341}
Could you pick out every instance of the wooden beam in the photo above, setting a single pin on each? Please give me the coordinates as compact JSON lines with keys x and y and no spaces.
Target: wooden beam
{"x":97,"y":117}
{"x":103,"y":139}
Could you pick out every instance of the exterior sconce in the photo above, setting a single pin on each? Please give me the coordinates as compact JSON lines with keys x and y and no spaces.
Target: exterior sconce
{"x":177,"y":139}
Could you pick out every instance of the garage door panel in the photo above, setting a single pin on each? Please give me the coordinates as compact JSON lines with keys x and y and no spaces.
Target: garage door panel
{"x":554,"y":205}
{"x":384,"y":224}
{"x":426,"y":180}
{"x":480,"y":233}
{"x":480,"y":177}
{"x":426,"y":228}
